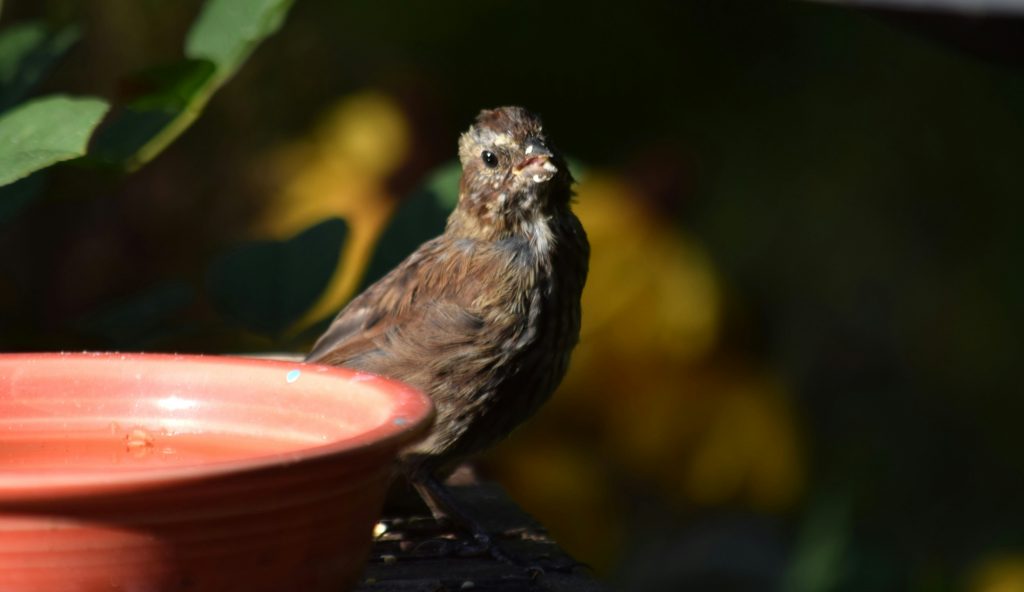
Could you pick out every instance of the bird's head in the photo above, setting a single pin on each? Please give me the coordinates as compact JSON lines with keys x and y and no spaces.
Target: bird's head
{"x":510,"y":172}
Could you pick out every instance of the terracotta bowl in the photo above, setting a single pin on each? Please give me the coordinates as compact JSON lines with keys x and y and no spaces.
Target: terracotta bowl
{"x":203,"y":474}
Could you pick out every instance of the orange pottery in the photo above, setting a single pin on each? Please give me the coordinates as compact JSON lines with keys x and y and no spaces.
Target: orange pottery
{"x":153,"y":473}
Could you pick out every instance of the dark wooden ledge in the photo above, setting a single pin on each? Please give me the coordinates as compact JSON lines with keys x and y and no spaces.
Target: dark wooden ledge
{"x":413,"y":555}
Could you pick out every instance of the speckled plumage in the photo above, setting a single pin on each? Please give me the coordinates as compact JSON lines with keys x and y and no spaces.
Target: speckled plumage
{"x":484,"y":317}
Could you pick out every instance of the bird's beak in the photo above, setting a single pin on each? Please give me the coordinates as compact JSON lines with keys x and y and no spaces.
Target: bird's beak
{"x":537,"y":165}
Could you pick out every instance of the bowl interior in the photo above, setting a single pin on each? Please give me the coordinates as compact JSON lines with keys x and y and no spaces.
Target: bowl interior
{"x":76,"y":416}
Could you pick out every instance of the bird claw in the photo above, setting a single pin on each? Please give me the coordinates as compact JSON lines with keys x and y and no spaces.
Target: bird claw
{"x":539,"y":567}
{"x":534,"y":567}
{"x":480,"y":545}
{"x":483,"y":545}
{"x":566,"y":565}
{"x":422,"y":549}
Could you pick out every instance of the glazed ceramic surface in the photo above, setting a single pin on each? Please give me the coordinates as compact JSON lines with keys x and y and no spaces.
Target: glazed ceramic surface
{"x":153,"y":473}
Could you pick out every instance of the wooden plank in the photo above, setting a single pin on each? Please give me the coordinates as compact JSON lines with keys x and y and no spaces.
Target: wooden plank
{"x":417,"y":554}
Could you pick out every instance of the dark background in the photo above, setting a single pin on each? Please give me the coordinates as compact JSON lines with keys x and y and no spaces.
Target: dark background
{"x":799,"y":367}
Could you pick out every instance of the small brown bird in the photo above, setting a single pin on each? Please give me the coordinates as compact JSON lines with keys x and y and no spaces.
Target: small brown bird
{"x":484,"y":317}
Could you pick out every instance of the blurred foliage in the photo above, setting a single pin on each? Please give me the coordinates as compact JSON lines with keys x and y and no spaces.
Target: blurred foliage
{"x":227,"y":31}
{"x":798,"y":369}
{"x":27,"y":52}
{"x":999,"y":574}
{"x":15,"y":196}
{"x":172,"y":96}
{"x":342,"y":171}
{"x":164,"y":100}
{"x":267,"y":285}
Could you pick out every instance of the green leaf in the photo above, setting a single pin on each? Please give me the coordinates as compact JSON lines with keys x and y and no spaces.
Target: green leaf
{"x":227,"y":31}
{"x":27,"y":52}
{"x":265,"y":286}
{"x":170,"y":99}
{"x":142,"y":319}
{"x":172,"y":87}
{"x":46,"y":131}
{"x":173,"y":96}
{"x":419,"y":218}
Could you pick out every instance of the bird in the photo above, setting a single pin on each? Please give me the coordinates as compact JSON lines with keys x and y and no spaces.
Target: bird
{"x":483,"y":318}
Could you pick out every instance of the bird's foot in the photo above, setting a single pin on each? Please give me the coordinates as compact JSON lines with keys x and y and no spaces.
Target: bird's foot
{"x":450,"y":515}
{"x":483,"y":545}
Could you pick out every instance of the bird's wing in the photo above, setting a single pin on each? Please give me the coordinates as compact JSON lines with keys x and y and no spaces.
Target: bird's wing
{"x":405,"y":324}
{"x":366,"y":316}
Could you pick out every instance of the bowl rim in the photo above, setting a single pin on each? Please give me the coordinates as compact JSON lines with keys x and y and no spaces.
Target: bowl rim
{"x":414,"y":411}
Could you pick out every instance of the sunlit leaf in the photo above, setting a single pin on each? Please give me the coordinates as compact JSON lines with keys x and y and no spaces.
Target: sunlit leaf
{"x":46,"y":131}
{"x":27,"y":52}
{"x":227,"y":31}
{"x":267,"y":285}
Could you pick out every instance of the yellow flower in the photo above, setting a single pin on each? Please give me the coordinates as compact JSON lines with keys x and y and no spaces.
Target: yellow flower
{"x":649,"y":286}
{"x":1003,"y":573}
{"x":342,"y":172}
{"x":748,"y":446}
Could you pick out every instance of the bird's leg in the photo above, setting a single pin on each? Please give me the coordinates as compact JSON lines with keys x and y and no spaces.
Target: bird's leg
{"x":445,"y":507}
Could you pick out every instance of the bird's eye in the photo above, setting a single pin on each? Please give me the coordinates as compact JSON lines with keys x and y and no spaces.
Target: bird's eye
{"x":490,"y":159}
